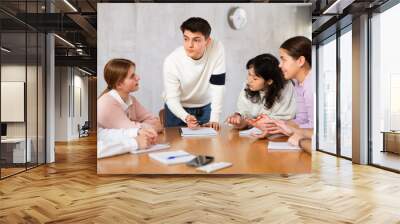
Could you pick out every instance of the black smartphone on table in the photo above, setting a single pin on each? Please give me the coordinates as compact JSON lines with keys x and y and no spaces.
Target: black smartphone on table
{"x":200,"y":160}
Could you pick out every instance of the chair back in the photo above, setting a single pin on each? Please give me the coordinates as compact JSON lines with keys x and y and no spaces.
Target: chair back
{"x":161,"y":114}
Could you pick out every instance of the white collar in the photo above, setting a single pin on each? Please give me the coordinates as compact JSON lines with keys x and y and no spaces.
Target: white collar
{"x":117,"y":97}
{"x":198,"y":61}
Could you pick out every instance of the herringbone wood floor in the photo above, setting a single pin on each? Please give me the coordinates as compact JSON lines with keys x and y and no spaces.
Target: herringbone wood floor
{"x":70,"y":191}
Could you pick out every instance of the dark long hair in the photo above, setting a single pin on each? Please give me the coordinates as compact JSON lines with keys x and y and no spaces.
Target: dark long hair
{"x":266,"y":66}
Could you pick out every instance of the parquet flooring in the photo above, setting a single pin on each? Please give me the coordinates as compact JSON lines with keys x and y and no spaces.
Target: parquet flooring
{"x":70,"y":191}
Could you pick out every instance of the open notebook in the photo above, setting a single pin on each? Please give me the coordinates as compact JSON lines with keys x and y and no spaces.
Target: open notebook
{"x":278,"y":146}
{"x":187,"y":132}
{"x":172,"y":157}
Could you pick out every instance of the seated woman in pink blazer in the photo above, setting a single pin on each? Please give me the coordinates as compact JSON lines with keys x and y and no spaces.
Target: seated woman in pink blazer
{"x":116,"y":108}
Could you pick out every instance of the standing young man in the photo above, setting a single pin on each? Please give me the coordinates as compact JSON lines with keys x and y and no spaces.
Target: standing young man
{"x":194,"y":78}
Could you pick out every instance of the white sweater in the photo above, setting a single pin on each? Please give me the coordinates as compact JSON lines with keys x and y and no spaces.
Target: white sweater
{"x":195,"y":83}
{"x":283,"y":109}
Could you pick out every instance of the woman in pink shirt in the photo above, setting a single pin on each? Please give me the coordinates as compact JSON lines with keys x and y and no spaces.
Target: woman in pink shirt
{"x":119,"y":113}
{"x":295,"y":55}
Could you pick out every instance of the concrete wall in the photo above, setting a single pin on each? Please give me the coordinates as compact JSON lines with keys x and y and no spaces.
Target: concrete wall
{"x":147,"y":33}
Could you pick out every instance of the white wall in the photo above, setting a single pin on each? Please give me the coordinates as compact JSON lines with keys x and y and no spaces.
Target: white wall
{"x":15,"y":72}
{"x":61,"y":103}
{"x":33,"y":126}
{"x":79,"y":117}
{"x":147,"y":33}
{"x":68,"y":82}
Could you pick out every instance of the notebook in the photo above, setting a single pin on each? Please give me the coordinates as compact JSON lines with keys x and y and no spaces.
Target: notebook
{"x":201,"y":132}
{"x":209,"y":168}
{"x":153,"y":148}
{"x":278,"y":146}
{"x":172,"y":157}
{"x":250,"y":131}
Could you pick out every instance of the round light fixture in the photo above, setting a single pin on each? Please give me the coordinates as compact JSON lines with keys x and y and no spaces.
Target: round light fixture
{"x":237,"y":18}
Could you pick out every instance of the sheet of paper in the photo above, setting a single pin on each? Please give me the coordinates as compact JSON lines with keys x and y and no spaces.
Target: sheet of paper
{"x":281,"y":146}
{"x":187,"y":132}
{"x":153,"y":148}
{"x":250,"y":131}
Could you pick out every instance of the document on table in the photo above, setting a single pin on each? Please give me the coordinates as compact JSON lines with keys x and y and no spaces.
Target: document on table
{"x":172,"y":157}
{"x":187,"y":132}
{"x":250,"y":131}
{"x":153,"y":148}
{"x":278,"y":146}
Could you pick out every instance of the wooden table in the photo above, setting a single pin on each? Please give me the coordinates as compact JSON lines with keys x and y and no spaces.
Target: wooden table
{"x":248,"y":156}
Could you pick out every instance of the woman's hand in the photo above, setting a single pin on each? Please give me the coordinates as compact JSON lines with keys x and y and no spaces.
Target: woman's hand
{"x":143,"y":142}
{"x":234,"y":119}
{"x":149,"y":133}
{"x":237,"y":121}
{"x":280,"y":126}
{"x":155,"y":125}
{"x":262,"y":122}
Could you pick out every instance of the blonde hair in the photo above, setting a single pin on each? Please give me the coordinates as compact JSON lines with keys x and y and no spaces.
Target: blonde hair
{"x":115,"y":71}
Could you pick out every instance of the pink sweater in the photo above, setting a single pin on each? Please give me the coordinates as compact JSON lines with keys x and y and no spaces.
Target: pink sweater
{"x":111,"y":114}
